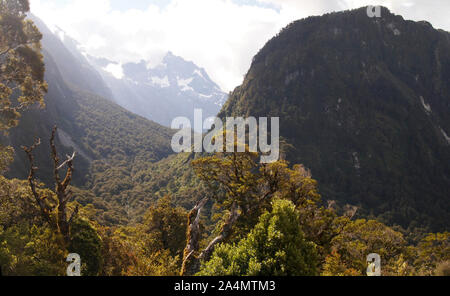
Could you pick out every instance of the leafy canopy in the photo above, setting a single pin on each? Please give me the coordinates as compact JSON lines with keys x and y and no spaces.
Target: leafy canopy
{"x":275,"y":247}
{"x":21,"y":67}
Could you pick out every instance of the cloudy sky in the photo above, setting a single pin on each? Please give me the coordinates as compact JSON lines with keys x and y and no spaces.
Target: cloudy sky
{"x":221,"y":36}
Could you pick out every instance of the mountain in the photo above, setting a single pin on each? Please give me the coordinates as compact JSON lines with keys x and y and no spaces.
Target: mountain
{"x":72,"y":64}
{"x":108,"y":139}
{"x":173,"y":88}
{"x":365,"y":104}
{"x":124,"y":161}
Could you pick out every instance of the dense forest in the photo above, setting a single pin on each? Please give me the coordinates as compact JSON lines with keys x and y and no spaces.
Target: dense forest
{"x":80,"y":174}
{"x":365,"y":105}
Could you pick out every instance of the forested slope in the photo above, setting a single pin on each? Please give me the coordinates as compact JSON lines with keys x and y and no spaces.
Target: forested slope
{"x":364,"y":103}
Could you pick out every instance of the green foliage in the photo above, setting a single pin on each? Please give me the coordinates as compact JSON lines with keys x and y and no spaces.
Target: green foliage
{"x":22,"y":67}
{"x":239,"y":178}
{"x":443,"y":269}
{"x":126,"y":253}
{"x":6,"y":157}
{"x":118,"y":252}
{"x":334,"y":266}
{"x":276,"y":247}
{"x":433,"y":253}
{"x":160,"y":263}
{"x":31,"y":250}
{"x":28,"y":246}
{"x":355,"y":117}
{"x":85,"y":241}
{"x":130,"y":221}
{"x":165,"y":227}
{"x":360,"y":238}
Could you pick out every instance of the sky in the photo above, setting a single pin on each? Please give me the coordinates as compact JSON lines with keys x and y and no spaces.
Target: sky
{"x":221,"y":36}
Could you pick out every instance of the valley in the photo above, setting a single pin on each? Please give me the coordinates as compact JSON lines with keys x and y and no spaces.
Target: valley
{"x":364,"y":158}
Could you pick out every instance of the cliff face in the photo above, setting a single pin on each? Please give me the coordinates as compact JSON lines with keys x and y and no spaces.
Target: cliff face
{"x":365,"y":104}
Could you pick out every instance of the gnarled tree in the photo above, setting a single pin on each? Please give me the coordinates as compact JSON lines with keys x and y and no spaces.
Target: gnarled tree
{"x":244,"y":189}
{"x":55,"y":215}
{"x":21,"y":67}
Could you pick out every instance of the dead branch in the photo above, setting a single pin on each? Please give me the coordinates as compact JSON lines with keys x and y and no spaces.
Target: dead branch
{"x":190,"y":263}
{"x":225,"y":233}
{"x":62,"y":223}
{"x":69,"y":159}
{"x":39,"y":201}
{"x":61,"y":187}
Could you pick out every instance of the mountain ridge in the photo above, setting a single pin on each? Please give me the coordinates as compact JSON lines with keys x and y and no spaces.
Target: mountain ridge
{"x":365,"y":103}
{"x":173,"y":88}
{"x":87,"y":122}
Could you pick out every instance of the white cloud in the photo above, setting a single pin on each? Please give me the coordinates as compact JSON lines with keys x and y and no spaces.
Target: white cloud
{"x":115,"y":69}
{"x":218,"y":35}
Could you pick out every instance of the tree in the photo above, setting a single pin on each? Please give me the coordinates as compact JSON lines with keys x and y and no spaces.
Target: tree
{"x":164,"y":227}
{"x":243,"y":189}
{"x":334,"y":266}
{"x":433,"y":253}
{"x":275,"y":247}
{"x":28,"y":245}
{"x":55,"y":214}
{"x":118,"y":252}
{"x":21,"y":67}
{"x":359,"y":238}
{"x":86,"y":242}
{"x":125,"y":253}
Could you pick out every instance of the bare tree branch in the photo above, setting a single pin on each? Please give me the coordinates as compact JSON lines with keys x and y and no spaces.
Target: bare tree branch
{"x":62,"y":223}
{"x":61,"y":187}
{"x":225,"y":233}
{"x":40,"y":201}
{"x":190,"y":263}
{"x":69,"y":159}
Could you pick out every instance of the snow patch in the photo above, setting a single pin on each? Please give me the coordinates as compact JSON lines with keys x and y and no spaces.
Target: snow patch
{"x":199,"y":73}
{"x":161,"y":82}
{"x":445,"y":135}
{"x":61,"y":35}
{"x":184,"y":84}
{"x":425,"y":105}
{"x":205,"y":96}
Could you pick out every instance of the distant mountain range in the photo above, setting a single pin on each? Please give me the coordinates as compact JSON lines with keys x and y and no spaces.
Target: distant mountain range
{"x":173,"y":88}
{"x":81,"y":105}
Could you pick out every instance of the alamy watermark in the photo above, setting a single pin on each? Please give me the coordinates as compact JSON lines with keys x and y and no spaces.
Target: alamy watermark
{"x":74,"y":268}
{"x":373,"y":265}
{"x":235,"y":130}
{"x":374,"y":11}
